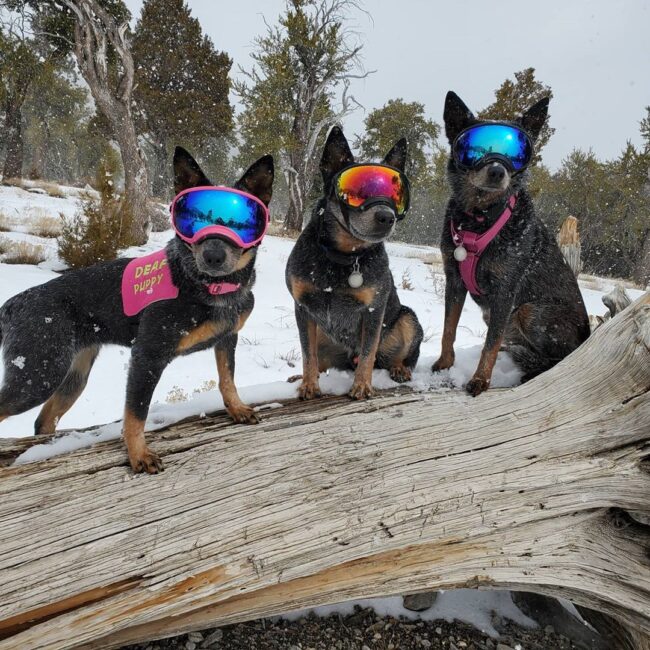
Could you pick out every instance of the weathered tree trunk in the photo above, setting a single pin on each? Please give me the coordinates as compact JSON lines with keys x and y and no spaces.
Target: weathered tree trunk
{"x":523,"y":489}
{"x":13,"y":128}
{"x":94,"y":30}
{"x":569,"y":242}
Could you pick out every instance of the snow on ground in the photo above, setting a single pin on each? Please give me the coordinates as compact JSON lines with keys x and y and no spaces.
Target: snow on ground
{"x":268,"y":353}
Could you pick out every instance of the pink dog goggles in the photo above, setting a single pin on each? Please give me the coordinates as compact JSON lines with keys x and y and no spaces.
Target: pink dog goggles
{"x":214,"y":210}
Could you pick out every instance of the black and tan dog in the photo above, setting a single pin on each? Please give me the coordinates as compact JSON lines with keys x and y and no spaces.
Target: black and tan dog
{"x":52,"y":333}
{"x":528,"y":294}
{"x":341,"y":326}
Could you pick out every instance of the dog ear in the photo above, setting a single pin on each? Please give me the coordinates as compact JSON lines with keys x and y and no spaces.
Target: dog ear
{"x":187,"y":172}
{"x":396,"y":157}
{"x":258,"y":179}
{"x":533,"y":119}
{"x":336,"y":155}
{"x":456,"y":116}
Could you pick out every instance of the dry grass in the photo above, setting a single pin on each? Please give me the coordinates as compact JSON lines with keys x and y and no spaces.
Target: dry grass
{"x":4,"y":245}
{"x":438,"y":281}
{"x":176,"y":394}
{"x":277,"y":229}
{"x":14,"y":182}
{"x":407,"y":283}
{"x":5,"y":225}
{"x":291,"y":357}
{"x":24,"y":253}
{"x":46,"y":226}
{"x":52,"y":189}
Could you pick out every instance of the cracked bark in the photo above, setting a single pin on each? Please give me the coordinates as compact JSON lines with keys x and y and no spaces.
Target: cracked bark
{"x":525,"y":489}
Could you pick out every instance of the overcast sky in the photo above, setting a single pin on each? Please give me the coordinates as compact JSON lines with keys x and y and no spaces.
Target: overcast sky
{"x":595,"y":54}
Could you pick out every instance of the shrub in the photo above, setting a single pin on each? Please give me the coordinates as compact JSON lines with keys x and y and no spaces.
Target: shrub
{"x":24,"y":253}
{"x":99,"y":229}
{"x":4,"y":245}
{"x":4,"y":223}
{"x":45,"y":226}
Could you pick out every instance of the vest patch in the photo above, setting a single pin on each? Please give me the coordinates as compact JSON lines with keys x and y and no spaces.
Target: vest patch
{"x":147,"y":280}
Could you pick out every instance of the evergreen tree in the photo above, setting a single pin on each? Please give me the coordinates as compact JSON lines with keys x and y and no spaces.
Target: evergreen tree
{"x":513,"y":98}
{"x":181,"y":90}
{"x":288,"y":100}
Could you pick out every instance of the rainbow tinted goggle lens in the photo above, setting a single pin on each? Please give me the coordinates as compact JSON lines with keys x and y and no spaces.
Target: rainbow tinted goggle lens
{"x":493,"y":141}
{"x":203,"y":211}
{"x":361,"y":186}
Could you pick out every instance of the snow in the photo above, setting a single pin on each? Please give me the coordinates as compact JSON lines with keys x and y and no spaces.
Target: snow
{"x":267,"y":354}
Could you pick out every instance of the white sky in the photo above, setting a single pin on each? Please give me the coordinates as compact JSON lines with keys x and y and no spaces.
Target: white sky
{"x":595,"y":54}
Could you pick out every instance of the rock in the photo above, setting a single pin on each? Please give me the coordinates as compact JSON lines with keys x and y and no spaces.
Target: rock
{"x":197,"y":637}
{"x":549,"y":629}
{"x":439,"y":630}
{"x":425,"y":643}
{"x":190,"y":645}
{"x":503,"y":646}
{"x":212,"y":639}
{"x":420,"y":602}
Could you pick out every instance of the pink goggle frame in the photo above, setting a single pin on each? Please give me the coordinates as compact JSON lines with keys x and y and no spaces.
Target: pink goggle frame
{"x":224,"y":231}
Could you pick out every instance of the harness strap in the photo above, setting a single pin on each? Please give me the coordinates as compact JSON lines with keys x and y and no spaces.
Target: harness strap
{"x":475,"y":244}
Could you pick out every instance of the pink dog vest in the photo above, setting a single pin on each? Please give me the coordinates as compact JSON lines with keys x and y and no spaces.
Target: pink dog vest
{"x":146,"y":280}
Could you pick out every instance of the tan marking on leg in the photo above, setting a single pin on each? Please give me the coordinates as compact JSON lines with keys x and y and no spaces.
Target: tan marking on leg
{"x":242,"y":320}
{"x":60,"y":402}
{"x":364,"y":295}
{"x":447,"y":355}
{"x":238,"y":411}
{"x":142,"y":459}
{"x":522,"y":317}
{"x":309,"y":389}
{"x":300,"y":287}
{"x":480,"y":382}
{"x":200,"y":334}
{"x":362,"y":386}
{"x":244,"y":260}
{"x":396,"y":345}
{"x":3,"y":417}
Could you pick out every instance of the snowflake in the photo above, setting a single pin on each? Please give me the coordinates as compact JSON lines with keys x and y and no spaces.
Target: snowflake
{"x":19,"y":362}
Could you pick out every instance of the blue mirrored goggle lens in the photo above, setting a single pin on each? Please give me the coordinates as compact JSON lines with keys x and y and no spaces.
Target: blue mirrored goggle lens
{"x":216,"y":207}
{"x":484,"y":140}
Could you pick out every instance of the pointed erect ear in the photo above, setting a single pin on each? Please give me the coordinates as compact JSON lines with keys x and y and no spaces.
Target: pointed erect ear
{"x":456,"y":116}
{"x":258,"y":179}
{"x":336,"y":155}
{"x":396,"y":157}
{"x":533,"y":119}
{"x":187,"y":172}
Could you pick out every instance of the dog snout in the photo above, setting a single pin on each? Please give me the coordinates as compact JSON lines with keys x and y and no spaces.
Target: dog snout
{"x":496,"y":172}
{"x":385,"y":218}
{"x":214,"y":256}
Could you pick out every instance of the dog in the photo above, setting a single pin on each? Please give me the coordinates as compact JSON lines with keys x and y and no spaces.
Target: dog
{"x":347,"y":309}
{"x":56,"y":330}
{"x":529,"y":295}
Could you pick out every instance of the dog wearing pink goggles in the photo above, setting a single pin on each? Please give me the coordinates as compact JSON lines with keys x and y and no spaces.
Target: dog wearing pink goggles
{"x":221,"y":227}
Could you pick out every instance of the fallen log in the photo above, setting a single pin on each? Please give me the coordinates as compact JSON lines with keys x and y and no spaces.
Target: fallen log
{"x":524,"y":489}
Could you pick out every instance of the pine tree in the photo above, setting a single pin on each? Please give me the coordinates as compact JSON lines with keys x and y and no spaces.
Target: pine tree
{"x":513,"y":98}
{"x":182,"y":87}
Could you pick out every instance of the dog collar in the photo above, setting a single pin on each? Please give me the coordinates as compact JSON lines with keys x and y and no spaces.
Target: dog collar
{"x":220,"y":288}
{"x":470,"y":246}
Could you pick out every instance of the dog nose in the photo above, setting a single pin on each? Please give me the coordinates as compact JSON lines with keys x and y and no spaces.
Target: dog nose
{"x":385,"y":217}
{"x":496,"y":173}
{"x":214,"y":256}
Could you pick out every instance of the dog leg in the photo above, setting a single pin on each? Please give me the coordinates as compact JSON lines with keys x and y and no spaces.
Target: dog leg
{"x":499,"y":316}
{"x":145,"y":370}
{"x":238,"y":411}
{"x":67,"y":393}
{"x":455,"y":295}
{"x":399,"y":347}
{"x":309,"y":389}
{"x":371,"y":326}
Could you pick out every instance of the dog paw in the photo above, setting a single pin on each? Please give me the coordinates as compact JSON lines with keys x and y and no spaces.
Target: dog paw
{"x":361,"y":390}
{"x":294,"y":378}
{"x":309,"y":391}
{"x":400,"y":374}
{"x":442,"y":364}
{"x":146,"y":461}
{"x":477,"y":385}
{"x":243,"y":415}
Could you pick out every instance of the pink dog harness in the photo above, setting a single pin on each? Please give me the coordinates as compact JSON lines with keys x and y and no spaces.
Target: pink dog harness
{"x":148,"y":279}
{"x":470,"y":245}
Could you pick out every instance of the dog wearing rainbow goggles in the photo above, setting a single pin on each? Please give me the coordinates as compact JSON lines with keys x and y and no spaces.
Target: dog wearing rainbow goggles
{"x":196,"y":294}
{"x":347,"y":309}
{"x":495,"y":247}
